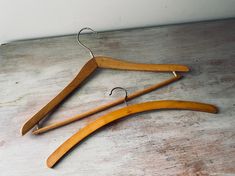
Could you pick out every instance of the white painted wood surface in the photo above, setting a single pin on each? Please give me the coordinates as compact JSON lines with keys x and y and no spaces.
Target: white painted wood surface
{"x":156,"y":143}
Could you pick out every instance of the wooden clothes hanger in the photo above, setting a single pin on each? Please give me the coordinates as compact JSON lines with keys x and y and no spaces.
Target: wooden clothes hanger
{"x":89,"y":68}
{"x":105,"y":106}
{"x":121,"y":113}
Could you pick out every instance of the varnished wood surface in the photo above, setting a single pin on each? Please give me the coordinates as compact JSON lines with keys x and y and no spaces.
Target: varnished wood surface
{"x":85,"y":72}
{"x":154,"y":143}
{"x":108,"y":62}
{"x":121,"y":113}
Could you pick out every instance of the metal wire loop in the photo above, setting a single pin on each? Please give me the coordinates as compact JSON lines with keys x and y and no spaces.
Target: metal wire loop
{"x":125,"y":99}
{"x":83,"y":45}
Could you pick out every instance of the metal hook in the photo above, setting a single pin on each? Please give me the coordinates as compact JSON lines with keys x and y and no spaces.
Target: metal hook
{"x":125,"y":99}
{"x":80,"y":43}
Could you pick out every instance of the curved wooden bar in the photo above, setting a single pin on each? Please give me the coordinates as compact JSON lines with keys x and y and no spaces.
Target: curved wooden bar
{"x":123,"y":112}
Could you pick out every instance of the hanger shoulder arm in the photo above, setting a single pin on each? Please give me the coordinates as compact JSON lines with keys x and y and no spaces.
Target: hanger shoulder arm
{"x":120,"y":113}
{"x":107,"y":62}
{"x":85,"y":72}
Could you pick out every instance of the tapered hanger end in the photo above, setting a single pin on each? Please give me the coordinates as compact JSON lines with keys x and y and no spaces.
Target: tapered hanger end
{"x":23,"y":131}
{"x":50,"y":162}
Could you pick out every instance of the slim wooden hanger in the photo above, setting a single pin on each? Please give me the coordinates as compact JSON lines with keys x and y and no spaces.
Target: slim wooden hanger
{"x":121,"y":113}
{"x":105,"y":106}
{"x":89,"y":68}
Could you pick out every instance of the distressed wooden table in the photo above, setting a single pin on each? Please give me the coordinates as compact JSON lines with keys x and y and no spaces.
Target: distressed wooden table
{"x":153,"y":143}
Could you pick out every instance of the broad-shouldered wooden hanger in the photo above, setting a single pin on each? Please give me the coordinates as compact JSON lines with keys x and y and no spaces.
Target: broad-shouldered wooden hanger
{"x":89,"y":68}
{"x":121,"y":113}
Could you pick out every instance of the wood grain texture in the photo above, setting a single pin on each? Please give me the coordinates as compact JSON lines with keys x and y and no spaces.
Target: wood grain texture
{"x":108,"y":62}
{"x":155,"y":143}
{"x":85,"y":72}
{"x":121,"y":113}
